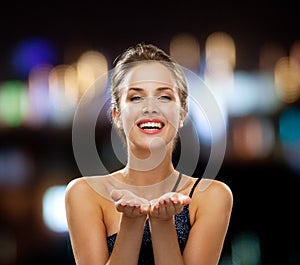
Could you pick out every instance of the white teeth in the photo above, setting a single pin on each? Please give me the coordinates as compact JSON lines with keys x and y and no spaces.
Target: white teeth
{"x":151,"y":125}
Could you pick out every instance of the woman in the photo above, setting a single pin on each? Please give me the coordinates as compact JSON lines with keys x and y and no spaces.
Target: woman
{"x":148,"y":213}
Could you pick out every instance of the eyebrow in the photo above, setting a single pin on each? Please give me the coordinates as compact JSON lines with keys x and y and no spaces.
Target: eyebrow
{"x":135,"y":89}
{"x":158,"y":89}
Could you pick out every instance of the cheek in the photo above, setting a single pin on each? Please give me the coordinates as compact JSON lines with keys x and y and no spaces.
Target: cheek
{"x":172,"y":114}
{"x":129,"y":115}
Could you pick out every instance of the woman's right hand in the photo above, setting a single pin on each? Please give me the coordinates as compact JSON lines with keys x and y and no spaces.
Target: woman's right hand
{"x":129,"y":204}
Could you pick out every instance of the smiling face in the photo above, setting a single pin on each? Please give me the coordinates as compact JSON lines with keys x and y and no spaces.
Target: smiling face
{"x":150,"y":106}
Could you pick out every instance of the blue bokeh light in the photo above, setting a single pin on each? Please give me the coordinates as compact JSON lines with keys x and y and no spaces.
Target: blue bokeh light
{"x":30,"y":53}
{"x":289,"y":126}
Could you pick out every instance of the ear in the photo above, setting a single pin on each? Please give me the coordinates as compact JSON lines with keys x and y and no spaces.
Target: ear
{"x":117,"y":119}
{"x":182,"y":118}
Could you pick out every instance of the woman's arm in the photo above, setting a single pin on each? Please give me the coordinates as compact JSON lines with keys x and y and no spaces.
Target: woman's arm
{"x":212,"y":208}
{"x":128,"y":242}
{"x":85,"y":222}
{"x":163,"y":231}
{"x":165,"y":243}
{"x":88,"y":231}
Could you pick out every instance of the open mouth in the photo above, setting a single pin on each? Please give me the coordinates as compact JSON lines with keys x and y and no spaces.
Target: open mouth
{"x":151,"y":125}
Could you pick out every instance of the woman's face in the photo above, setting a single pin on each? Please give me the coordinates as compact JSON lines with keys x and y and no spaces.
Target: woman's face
{"x":149,"y":106}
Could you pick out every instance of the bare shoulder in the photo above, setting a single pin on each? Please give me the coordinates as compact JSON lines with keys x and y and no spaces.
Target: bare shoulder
{"x":77,"y":185}
{"x":213,"y":194}
{"x":215,"y":186}
{"x":78,"y":193}
{"x":79,"y":188}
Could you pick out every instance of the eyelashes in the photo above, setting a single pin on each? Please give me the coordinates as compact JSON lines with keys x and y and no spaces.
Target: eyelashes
{"x":164,"y":99}
{"x":136,"y":98}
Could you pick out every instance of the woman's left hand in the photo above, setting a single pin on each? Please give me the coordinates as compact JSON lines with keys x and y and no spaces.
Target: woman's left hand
{"x":169,"y":204}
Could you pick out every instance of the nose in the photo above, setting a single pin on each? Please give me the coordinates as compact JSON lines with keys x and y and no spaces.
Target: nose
{"x":150,"y":106}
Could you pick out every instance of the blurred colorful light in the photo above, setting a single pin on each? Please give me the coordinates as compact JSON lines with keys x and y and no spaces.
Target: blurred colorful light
{"x":14,"y":104}
{"x":54,"y":209}
{"x":289,"y":126}
{"x":30,"y":53}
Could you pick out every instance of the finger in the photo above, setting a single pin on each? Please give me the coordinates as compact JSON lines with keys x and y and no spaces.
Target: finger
{"x":154,"y":211}
{"x":132,"y":203}
{"x":186,"y":200}
{"x":121,"y":205}
{"x":163,"y":208}
{"x":145,"y":208}
{"x":121,"y":208}
{"x":116,"y":195}
{"x":183,"y":199}
{"x":136,"y":211}
{"x":170,"y":209}
{"x":178,"y":206}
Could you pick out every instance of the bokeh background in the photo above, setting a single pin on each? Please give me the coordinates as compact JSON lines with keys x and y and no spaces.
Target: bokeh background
{"x":248,"y":54}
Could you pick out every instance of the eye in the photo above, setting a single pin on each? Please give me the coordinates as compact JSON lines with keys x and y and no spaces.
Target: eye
{"x":136,"y":98}
{"x":164,"y":98}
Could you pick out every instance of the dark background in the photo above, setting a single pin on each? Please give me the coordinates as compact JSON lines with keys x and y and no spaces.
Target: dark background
{"x":266,"y":193}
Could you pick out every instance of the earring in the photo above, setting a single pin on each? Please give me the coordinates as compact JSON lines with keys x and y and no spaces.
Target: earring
{"x":181,"y":123}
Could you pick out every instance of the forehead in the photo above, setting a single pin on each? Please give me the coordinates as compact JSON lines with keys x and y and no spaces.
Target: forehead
{"x":146,"y":72}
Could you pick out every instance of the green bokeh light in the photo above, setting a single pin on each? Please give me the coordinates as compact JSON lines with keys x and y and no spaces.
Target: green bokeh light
{"x":14,"y":104}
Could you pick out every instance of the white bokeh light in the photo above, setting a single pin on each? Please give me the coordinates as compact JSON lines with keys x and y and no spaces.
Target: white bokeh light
{"x":54,"y":214}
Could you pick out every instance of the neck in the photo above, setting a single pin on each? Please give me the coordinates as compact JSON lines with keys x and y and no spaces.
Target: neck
{"x":153,"y":169}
